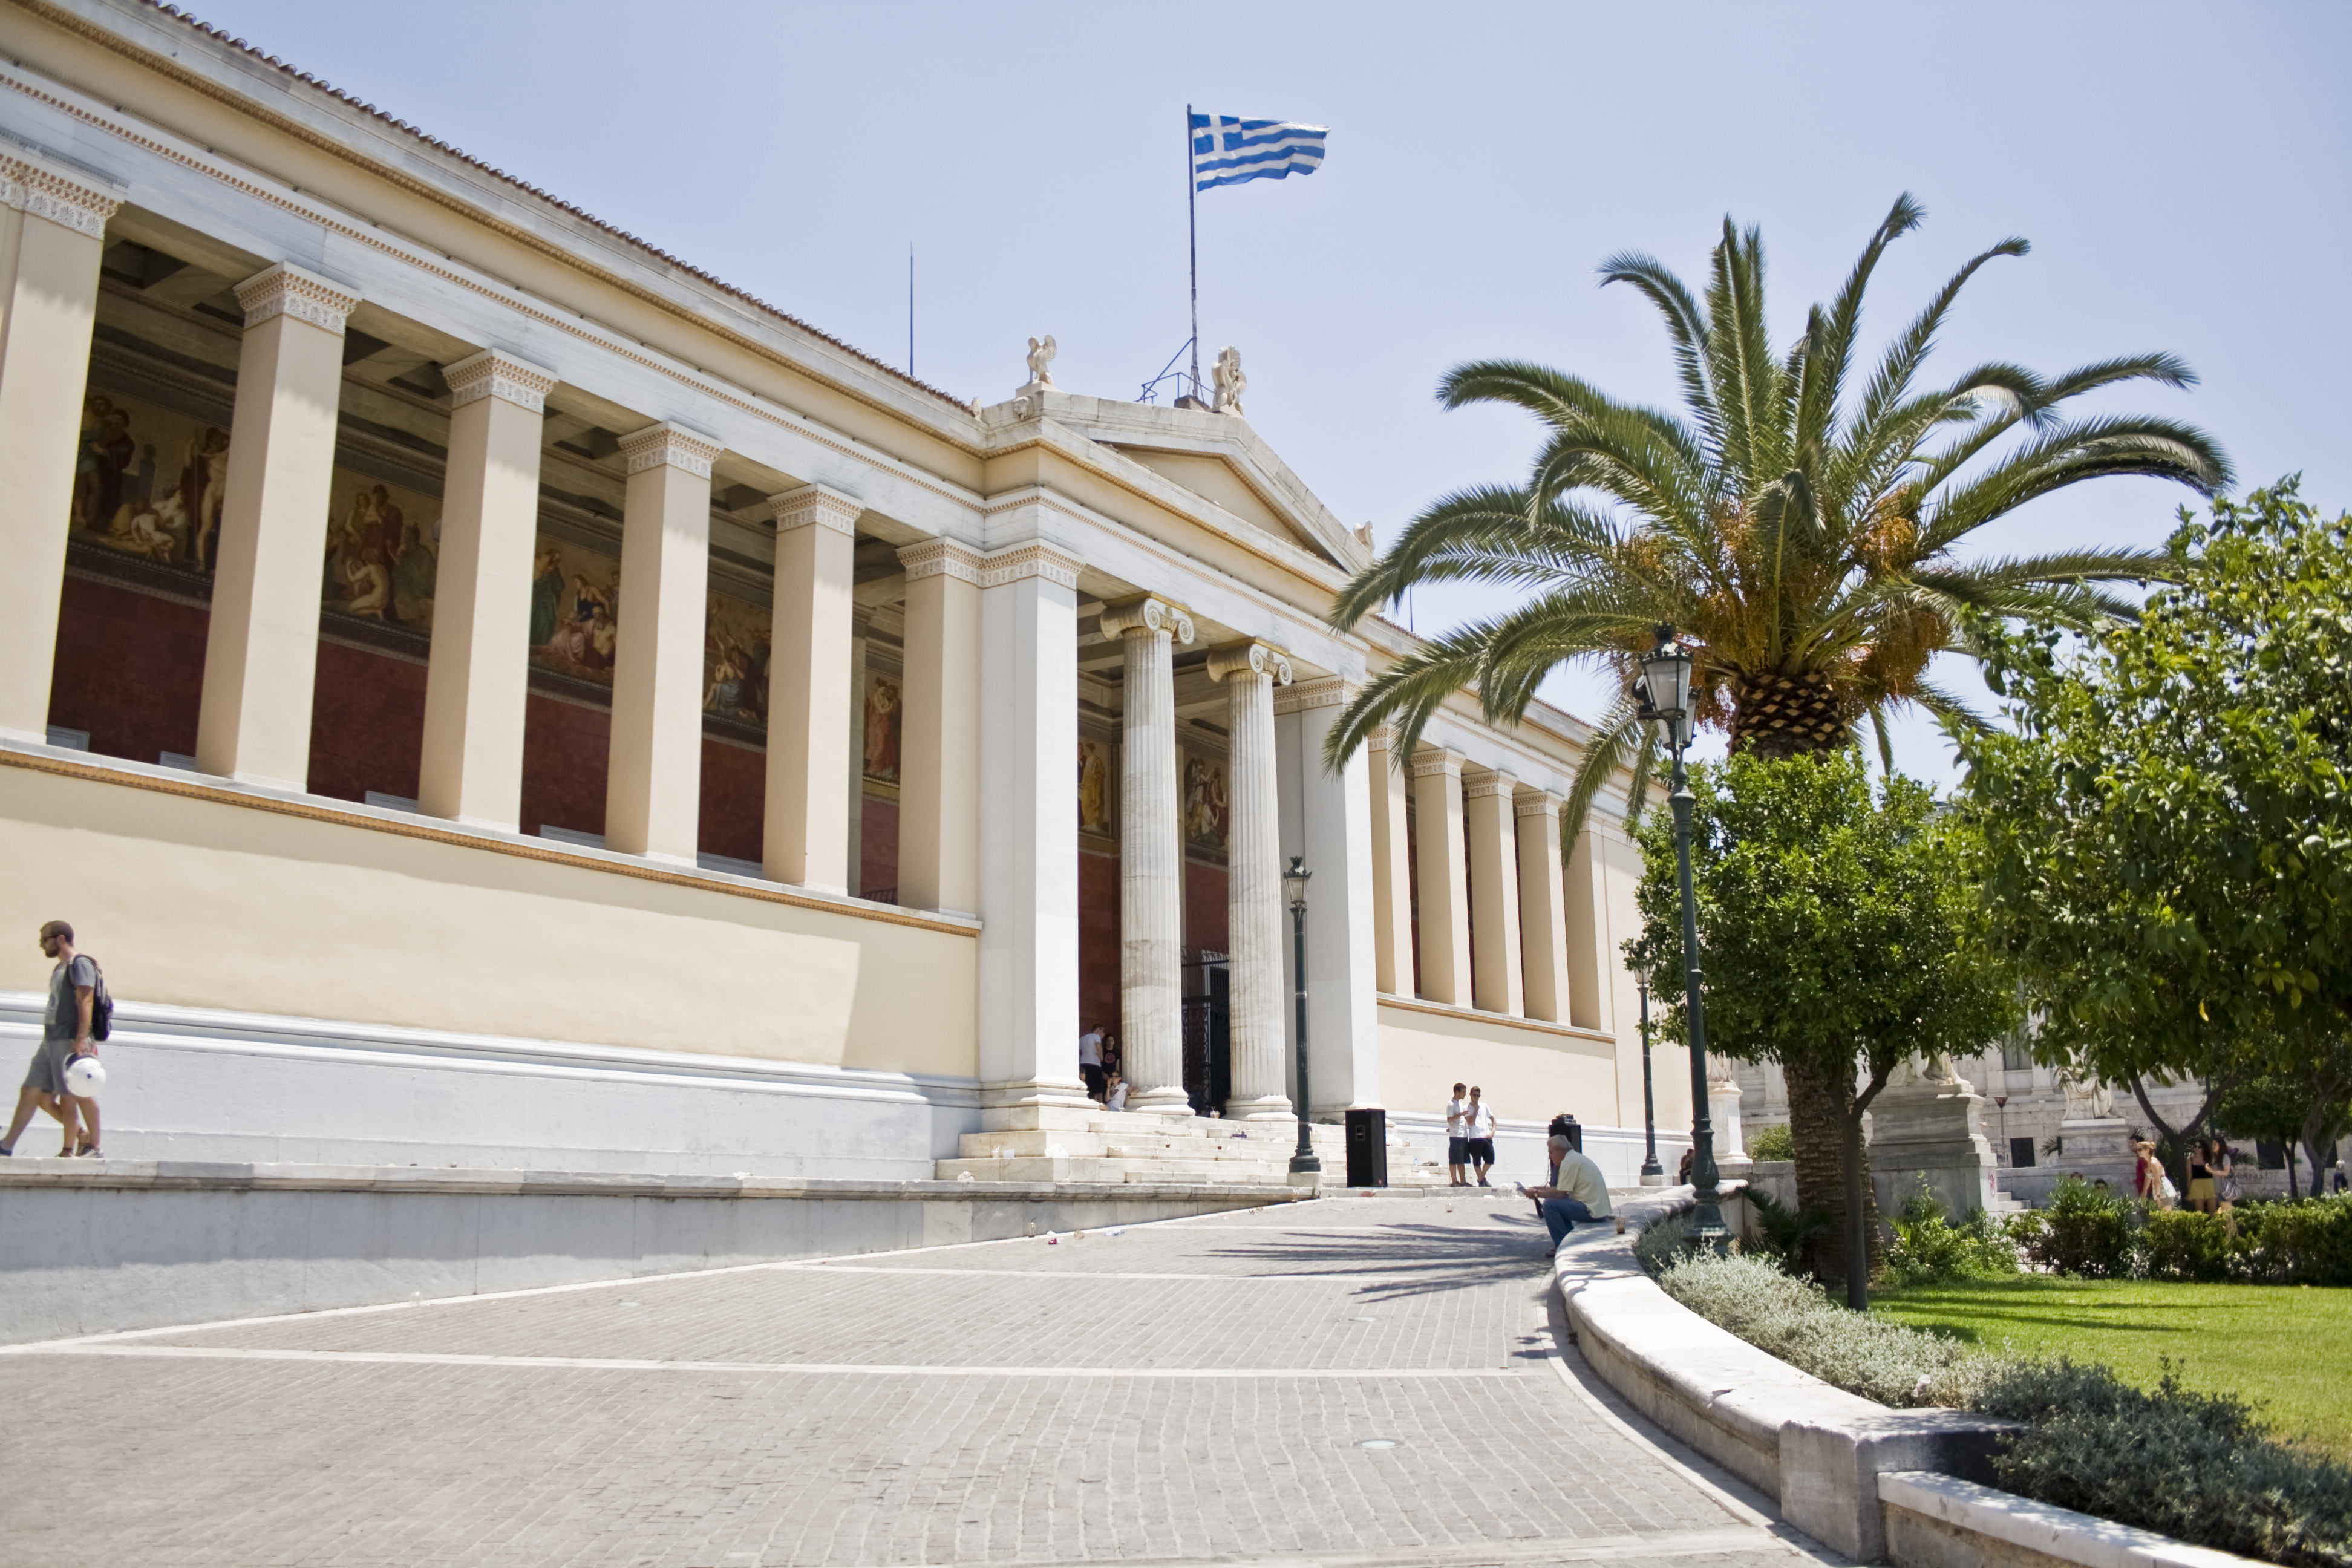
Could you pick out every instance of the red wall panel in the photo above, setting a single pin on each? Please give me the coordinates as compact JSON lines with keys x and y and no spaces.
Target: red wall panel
{"x":130,"y":670}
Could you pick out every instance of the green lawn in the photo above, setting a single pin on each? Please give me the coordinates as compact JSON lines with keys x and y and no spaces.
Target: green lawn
{"x":2288,"y":1347}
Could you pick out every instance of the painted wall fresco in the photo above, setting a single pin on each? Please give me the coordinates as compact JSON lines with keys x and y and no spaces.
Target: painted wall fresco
{"x":383,"y":551}
{"x":1206,"y":808}
{"x":735,"y":654}
{"x":148,"y":481}
{"x":883,"y":695}
{"x":575,"y":610}
{"x":1094,"y":787}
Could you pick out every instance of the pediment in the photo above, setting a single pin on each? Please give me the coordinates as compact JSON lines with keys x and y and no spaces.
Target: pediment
{"x":1214,"y":479}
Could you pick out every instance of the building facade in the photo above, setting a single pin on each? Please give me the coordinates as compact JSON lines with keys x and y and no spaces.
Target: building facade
{"x":491,"y":694}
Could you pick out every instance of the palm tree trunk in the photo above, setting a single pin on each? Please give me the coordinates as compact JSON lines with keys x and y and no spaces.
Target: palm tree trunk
{"x":1820,"y":1109}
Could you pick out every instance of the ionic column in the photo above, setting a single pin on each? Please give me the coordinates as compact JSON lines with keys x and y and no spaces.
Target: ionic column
{"x":1391,"y":868}
{"x":1150,"y":856}
{"x":653,"y":789}
{"x":1543,"y":918}
{"x":476,"y":684}
{"x":1445,"y":895}
{"x":1254,"y":918}
{"x":1492,"y":831}
{"x":809,"y":699}
{"x":1332,"y":814}
{"x":939,"y":744}
{"x":1029,"y":856}
{"x":261,"y":649}
{"x":52,"y":231}
{"x":1591,"y":965}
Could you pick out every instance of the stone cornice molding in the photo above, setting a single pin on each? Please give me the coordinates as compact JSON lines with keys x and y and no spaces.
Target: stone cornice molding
{"x":1539,"y":803}
{"x":943,"y":558}
{"x":1146,"y":615}
{"x":1252,"y":657}
{"x":501,"y":375}
{"x":818,"y":506}
{"x":1490,"y":784}
{"x":283,"y":290}
{"x":1023,"y":562}
{"x":1431,"y":761}
{"x":668,"y":445}
{"x":1327,"y":691}
{"x":36,"y":189}
{"x":1383,"y":738}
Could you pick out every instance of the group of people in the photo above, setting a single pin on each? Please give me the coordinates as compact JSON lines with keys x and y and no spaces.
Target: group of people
{"x":1574,"y":1192}
{"x":66,"y":1026}
{"x":1098,"y":1065}
{"x":2213,"y":1176}
{"x":1469,"y":1138}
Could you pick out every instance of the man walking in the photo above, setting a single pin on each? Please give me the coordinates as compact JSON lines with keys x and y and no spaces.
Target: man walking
{"x":65,"y":1035}
{"x":1457,"y":1136}
{"x":1579,"y":1197}
{"x":1478,"y":1120}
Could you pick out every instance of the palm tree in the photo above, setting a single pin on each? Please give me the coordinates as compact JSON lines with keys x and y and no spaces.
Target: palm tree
{"x":1798,"y":531}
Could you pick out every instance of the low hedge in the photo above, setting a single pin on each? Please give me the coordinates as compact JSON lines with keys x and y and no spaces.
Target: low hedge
{"x":2096,"y":1234}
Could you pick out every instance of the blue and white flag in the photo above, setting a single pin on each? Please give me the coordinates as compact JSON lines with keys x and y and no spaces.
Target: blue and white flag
{"x":1226,"y":151}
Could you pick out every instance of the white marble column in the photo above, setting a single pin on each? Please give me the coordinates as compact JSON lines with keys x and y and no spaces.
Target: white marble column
{"x":1391,"y":867}
{"x":1489,"y":830}
{"x":1029,"y":855}
{"x":807,"y":840}
{"x":653,"y":784}
{"x":477,"y":682}
{"x":1150,"y":854}
{"x":1327,"y":817}
{"x":1543,"y":924}
{"x":52,"y":231}
{"x":261,"y":645}
{"x":1445,"y":895}
{"x":939,"y":747}
{"x":1256,"y":917}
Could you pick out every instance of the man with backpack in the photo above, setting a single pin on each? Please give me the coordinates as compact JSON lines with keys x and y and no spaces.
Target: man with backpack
{"x":71,"y":1026}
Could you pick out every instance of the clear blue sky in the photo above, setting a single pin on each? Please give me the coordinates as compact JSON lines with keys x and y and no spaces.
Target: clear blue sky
{"x":2182,"y":171}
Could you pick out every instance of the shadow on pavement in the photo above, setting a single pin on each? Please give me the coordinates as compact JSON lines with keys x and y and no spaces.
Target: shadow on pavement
{"x":1411,"y":1260}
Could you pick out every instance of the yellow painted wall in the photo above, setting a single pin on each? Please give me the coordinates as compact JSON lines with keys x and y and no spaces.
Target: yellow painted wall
{"x":1528,"y":1074}
{"x":206,"y":903}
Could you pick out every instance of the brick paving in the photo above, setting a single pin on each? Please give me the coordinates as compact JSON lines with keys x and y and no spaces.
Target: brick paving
{"x":1189,"y":1392}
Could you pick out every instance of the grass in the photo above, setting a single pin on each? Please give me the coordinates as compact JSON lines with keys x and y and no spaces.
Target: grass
{"x":2287,"y":1347}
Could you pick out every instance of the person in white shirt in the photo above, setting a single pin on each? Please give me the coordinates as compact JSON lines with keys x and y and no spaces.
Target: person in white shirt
{"x":1115,"y":1095}
{"x":1478,"y":1120}
{"x":1457,"y":1138}
{"x":1090,"y":1062}
{"x":1581,"y":1196}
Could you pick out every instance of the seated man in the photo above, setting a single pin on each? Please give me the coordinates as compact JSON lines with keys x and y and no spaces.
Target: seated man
{"x":1582,"y":1194}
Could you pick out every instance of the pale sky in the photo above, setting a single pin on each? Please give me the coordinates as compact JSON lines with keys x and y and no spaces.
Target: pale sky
{"x":2178,"y":168}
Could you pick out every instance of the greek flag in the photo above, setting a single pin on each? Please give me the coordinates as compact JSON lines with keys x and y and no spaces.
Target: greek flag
{"x":1227,"y":151}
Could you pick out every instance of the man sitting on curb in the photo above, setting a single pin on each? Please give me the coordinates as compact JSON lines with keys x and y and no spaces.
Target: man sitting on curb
{"x":1582,"y":1195}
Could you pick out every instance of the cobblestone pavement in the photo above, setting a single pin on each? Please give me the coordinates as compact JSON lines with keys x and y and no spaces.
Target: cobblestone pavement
{"x":1216,"y":1389}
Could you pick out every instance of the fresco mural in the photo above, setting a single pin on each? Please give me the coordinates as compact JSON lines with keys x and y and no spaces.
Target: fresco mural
{"x":735,"y":651}
{"x":1205,"y":809}
{"x":882,"y":701}
{"x":148,"y":481}
{"x":576,"y":600}
{"x":1094,"y":787}
{"x":383,"y":551}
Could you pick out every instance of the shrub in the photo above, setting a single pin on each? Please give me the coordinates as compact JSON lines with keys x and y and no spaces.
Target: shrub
{"x":2084,"y":1230}
{"x":2197,"y":1467}
{"x":2305,"y":1243}
{"x":1793,"y":1320}
{"x":1789,"y":1234}
{"x":2092,"y":1232}
{"x":1773,"y":1143}
{"x":1655,"y":1248}
{"x":2181,"y":1243}
{"x":1928,"y":1248}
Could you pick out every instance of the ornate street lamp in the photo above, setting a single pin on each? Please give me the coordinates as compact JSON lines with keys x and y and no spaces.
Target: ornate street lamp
{"x":1294,"y":882}
{"x":1653,"y":1174}
{"x":1664,"y":695}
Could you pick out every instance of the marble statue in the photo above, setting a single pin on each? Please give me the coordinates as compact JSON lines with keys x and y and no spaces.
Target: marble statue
{"x":2089,"y":1099}
{"x":1041,"y":355}
{"x":1231,"y":382}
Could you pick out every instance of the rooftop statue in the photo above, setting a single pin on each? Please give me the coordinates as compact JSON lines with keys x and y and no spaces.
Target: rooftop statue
{"x":1231,"y":382}
{"x":1041,"y":354}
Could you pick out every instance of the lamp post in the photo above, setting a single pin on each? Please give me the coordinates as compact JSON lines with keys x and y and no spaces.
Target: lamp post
{"x":1666,"y":700}
{"x":1653,"y":1174}
{"x":1294,"y":882}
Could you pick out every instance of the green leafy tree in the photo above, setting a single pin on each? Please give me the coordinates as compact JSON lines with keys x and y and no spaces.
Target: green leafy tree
{"x":1839,"y":939}
{"x":2167,"y":837}
{"x":1796,"y":518}
{"x":2309,"y":1112}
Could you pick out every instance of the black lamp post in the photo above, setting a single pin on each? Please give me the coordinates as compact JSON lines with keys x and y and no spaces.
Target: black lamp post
{"x":1294,"y":882}
{"x":1666,"y":700}
{"x":1653,"y":1174}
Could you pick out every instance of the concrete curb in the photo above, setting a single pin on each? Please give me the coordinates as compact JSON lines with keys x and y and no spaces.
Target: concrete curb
{"x":1951,"y":1523}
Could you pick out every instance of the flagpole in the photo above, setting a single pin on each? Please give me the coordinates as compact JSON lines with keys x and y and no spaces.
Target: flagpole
{"x":1192,"y":241}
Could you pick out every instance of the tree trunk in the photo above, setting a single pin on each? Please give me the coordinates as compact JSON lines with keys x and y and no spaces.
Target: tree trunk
{"x":1820,"y":1105}
{"x":1776,"y":715}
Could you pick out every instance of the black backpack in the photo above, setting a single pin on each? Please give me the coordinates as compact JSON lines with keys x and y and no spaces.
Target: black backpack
{"x":102,"y":1007}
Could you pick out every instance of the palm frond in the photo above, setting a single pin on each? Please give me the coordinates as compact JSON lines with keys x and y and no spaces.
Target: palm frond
{"x":1686,"y":325}
{"x":1619,"y":736}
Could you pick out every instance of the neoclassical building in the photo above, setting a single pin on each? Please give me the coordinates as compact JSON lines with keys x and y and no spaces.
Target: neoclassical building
{"x":491,"y":693}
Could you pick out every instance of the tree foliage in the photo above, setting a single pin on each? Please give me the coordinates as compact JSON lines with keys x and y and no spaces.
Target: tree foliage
{"x":1837,"y":935}
{"x":2167,"y":837}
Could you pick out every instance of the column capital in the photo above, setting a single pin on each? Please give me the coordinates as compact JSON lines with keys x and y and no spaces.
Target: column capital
{"x":1147,"y":613}
{"x":1432,"y":759}
{"x":943,"y":558}
{"x":78,"y":205}
{"x":1497,"y":782}
{"x":1330,"y":691}
{"x":1537,"y":803}
{"x":667,"y":445}
{"x":816,"y":506}
{"x":1027,"y":560}
{"x":491,"y":374}
{"x":283,"y":290}
{"x":1251,"y":658}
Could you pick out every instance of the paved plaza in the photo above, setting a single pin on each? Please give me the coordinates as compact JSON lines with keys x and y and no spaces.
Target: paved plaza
{"x":1350,"y":1381}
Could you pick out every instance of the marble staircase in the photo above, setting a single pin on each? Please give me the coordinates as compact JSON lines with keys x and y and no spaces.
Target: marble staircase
{"x":1116,"y":1146}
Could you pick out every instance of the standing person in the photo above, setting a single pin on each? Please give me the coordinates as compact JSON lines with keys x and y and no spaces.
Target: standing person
{"x":2225,"y":1174}
{"x":1091,"y":1063}
{"x":2201,"y":1177}
{"x":1457,"y":1136}
{"x":2145,"y":1173}
{"x":1479,"y":1118}
{"x":1577,"y":1195}
{"x":65,"y":1035}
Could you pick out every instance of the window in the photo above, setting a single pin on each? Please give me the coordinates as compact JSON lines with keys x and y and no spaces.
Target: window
{"x":2020,"y":1154}
{"x":2014,"y":1057}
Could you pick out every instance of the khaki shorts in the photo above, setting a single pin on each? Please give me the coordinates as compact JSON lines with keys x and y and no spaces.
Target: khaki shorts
{"x":48,"y":1073}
